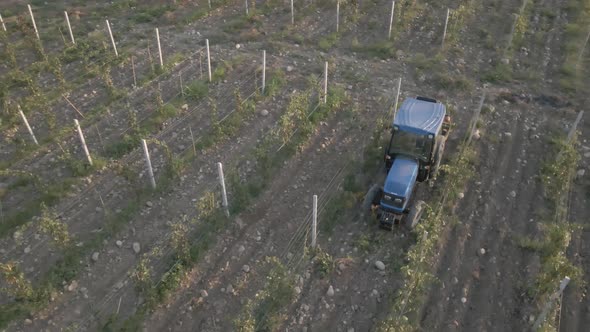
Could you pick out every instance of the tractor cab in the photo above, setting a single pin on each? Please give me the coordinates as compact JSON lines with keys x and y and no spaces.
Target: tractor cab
{"x":418,"y":135}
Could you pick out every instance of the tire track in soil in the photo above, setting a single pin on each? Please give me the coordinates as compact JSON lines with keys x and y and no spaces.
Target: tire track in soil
{"x":575,"y":311}
{"x":108,"y":276}
{"x":274,"y":221}
{"x":491,"y":283}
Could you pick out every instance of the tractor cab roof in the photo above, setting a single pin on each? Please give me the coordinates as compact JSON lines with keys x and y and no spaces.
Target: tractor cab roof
{"x":420,"y":115}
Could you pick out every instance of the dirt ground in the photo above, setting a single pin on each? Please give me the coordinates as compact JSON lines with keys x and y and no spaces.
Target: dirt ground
{"x":483,"y":274}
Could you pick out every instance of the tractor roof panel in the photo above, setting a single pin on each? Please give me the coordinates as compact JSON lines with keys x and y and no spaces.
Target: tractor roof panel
{"x":420,"y":116}
{"x":401,"y":177}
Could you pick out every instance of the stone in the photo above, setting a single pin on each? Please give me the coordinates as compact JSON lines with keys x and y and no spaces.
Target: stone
{"x":481,"y":251}
{"x":580,"y":173}
{"x":204,"y":293}
{"x":379,"y":265}
{"x":505,"y":61}
{"x":119,"y":243}
{"x":241,"y":249}
{"x":149,"y":204}
{"x":136,"y":247}
{"x":289,"y":69}
{"x":297,"y":290}
{"x":341,"y":266}
{"x":330,"y":291}
{"x":461,"y":195}
{"x":95,"y":256}
{"x":246,"y":268}
{"x":513,"y":194}
{"x":463,"y":300}
{"x":184,"y":107}
{"x":72,"y":286}
{"x":230,"y":289}
{"x":28,"y":322}
{"x":238,"y":46}
{"x":476,"y":134}
{"x":264,"y":112}
{"x":27,"y":249}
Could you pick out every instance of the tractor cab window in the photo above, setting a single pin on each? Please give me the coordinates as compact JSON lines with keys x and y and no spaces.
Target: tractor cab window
{"x":403,"y":142}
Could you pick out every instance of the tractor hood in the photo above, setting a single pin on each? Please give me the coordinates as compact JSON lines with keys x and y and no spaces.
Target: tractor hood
{"x":399,"y":183}
{"x":420,"y":117}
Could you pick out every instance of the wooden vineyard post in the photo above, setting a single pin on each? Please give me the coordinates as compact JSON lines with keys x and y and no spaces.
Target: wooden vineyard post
{"x":133,"y":70}
{"x":33,"y":20}
{"x":562,"y":285}
{"x":263,"y":70}
{"x":69,"y":27}
{"x":208,"y":59}
{"x":201,"y":65}
{"x":246,"y":7}
{"x":579,"y":54}
{"x":399,"y":87}
{"x":181,"y":86}
{"x":223,"y":191}
{"x":84,"y":146}
{"x":326,"y":83}
{"x":473,"y":124}
{"x":337,"y":15}
{"x":314,"y":222}
{"x":159,"y":49}
{"x":391,"y":19}
{"x":112,"y":39}
{"x":445,"y":30}
{"x":190,"y":129}
{"x":2,"y":21}
{"x":292,"y":14}
{"x":148,"y":162}
{"x":22,"y":115}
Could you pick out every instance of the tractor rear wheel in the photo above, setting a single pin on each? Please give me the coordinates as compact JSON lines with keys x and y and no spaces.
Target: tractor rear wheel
{"x":415,"y":214}
{"x":373,"y":197}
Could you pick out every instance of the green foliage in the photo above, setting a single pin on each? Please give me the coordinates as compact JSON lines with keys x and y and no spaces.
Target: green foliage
{"x":57,"y":230}
{"x":324,"y":263}
{"x":265,"y":312}
{"x":196,"y":90}
{"x":452,"y":82}
{"x":276,"y":80}
{"x":502,"y":72}
{"x":326,"y":43}
{"x":16,"y":285}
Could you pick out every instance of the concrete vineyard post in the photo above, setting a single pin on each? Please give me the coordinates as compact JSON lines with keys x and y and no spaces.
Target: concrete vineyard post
{"x":83,"y":141}
{"x":33,"y":20}
{"x":314,"y":222}
{"x":562,"y":285}
{"x":445,"y":30}
{"x":69,"y":27}
{"x":292,"y":14}
{"x":223,"y":192}
{"x":263,"y":70}
{"x":570,"y":135}
{"x":22,"y":115}
{"x":399,"y":88}
{"x":209,"y":3}
{"x":247,"y":7}
{"x":391,"y":19}
{"x":326,"y":83}
{"x":133,"y":70}
{"x":337,"y":16}
{"x":159,"y":48}
{"x":2,"y":21}
{"x":112,"y":39}
{"x":208,"y":59}
{"x":99,"y":137}
{"x":148,"y":163}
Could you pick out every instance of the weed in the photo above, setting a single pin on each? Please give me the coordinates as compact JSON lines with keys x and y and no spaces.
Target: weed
{"x":196,"y":90}
{"x":501,"y":72}
{"x":326,"y":43}
{"x":324,"y":262}
{"x":57,"y":230}
{"x":18,"y":286}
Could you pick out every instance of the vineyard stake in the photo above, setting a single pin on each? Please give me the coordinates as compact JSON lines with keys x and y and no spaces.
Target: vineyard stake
{"x":133,"y":69}
{"x":223,"y":192}
{"x":190,"y":129}
{"x":326,"y":83}
{"x":391,"y":19}
{"x":112,"y":39}
{"x":399,"y":87}
{"x":314,"y":223}
{"x":159,"y":48}
{"x":2,"y":21}
{"x":445,"y":30}
{"x":70,"y":27}
{"x":292,"y":14}
{"x":208,"y":59}
{"x":34,"y":24}
{"x":22,"y":115}
{"x":148,"y":162}
{"x":263,"y":70}
{"x":337,"y":15}
{"x":83,"y":141}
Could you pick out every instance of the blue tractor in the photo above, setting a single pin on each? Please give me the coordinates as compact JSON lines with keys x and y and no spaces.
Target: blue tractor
{"x":418,"y":136}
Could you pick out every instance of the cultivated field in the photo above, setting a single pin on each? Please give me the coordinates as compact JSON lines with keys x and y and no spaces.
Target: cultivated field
{"x":117,"y":117}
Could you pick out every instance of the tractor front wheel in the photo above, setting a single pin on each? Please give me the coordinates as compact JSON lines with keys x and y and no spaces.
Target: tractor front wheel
{"x":373,"y":197}
{"x":415,"y":214}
